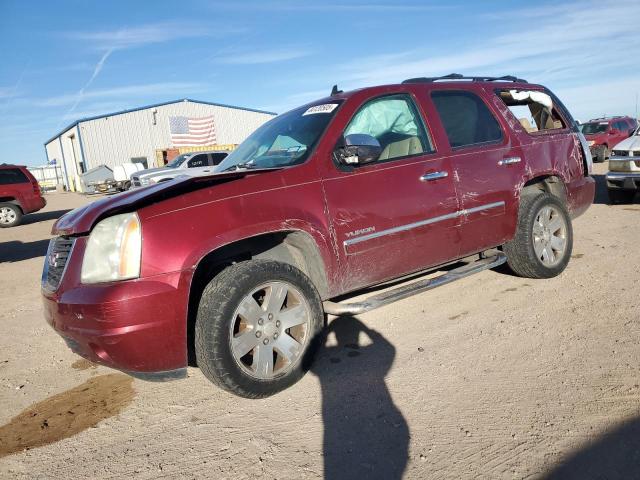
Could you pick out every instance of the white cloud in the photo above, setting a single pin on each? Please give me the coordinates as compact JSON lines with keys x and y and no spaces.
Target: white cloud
{"x":175,"y":89}
{"x":140,"y":35}
{"x":265,"y":56}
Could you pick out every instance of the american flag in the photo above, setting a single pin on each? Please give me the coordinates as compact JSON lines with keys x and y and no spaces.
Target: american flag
{"x":187,"y":131}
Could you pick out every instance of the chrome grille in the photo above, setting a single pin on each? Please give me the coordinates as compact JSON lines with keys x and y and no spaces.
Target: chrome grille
{"x":55,"y":262}
{"x":620,"y":153}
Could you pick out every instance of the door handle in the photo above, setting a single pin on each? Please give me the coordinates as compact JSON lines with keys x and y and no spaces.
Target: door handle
{"x":427,"y":177}
{"x":509,"y":161}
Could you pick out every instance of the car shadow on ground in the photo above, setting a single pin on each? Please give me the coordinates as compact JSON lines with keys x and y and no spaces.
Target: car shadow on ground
{"x":613,"y":456}
{"x":16,"y":251}
{"x":365,"y":434}
{"x":43,"y":216}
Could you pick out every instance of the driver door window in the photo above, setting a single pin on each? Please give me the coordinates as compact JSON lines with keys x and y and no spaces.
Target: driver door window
{"x":395,"y":123}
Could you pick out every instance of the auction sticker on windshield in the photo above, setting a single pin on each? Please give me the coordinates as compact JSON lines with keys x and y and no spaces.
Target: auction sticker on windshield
{"x":324,"y":108}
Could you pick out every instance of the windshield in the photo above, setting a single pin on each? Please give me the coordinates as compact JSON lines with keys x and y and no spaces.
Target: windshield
{"x":179,"y":160}
{"x":594,"y":127}
{"x":284,"y":141}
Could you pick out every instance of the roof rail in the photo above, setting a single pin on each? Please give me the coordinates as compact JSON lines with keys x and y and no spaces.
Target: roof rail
{"x":457,"y":76}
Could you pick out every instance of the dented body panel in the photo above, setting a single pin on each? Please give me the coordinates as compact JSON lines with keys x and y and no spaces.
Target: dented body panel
{"x":365,"y":224}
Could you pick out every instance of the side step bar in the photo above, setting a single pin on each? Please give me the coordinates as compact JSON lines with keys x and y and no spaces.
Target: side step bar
{"x":404,"y":291}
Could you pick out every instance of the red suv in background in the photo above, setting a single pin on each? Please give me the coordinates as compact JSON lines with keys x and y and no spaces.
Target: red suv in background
{"x":237,"y":270}
{"x":605,"y":133}
{"x":19,"y":194}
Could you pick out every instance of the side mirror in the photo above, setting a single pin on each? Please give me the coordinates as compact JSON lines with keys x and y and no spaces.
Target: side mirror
{"x":358,"y":149}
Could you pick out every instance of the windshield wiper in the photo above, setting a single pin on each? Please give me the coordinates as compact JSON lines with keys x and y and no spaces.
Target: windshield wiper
{"x":241,"y":166}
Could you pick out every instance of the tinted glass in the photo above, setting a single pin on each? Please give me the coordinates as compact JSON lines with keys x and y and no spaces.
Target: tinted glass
{"x":466,"y":118}
{"x":594,"y":127}
{"x":395,"y":123}
{"x":216,"y":158}
{"x":198,"y":161}
{"x":9,"y":176}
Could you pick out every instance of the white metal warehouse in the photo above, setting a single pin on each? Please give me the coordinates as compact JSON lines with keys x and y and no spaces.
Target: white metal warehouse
{"x":146,"y":135}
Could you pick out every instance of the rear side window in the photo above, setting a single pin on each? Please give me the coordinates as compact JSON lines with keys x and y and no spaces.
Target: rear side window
{"x":9,"y":176}
{"x":466,"y":118}
{"x":216,"y":158}
{"x":534,"y":109}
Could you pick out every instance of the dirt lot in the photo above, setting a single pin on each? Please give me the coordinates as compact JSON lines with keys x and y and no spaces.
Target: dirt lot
{"x":491,"y":377}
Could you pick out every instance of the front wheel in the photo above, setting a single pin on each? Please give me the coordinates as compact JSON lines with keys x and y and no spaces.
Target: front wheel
{"x":256,"y":327}
{"x":543,"y":242}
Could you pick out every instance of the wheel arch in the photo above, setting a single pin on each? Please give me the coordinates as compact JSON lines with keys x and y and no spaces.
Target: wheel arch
{"x":549,"y":183}
{"x":294,"y":247}
{"x":12,"y":200}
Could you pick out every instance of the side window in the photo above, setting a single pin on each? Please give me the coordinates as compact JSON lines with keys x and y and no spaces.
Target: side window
{"x":395,"y":123}
{"x":10,"y":176}
{"x":216,"y":158}
{"x":466,"y":118}
{"x":198,"y":161}
{"x":534,"y":109}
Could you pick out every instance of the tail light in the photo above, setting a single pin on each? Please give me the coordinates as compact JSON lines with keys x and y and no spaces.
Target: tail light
{"x":36,"y":187}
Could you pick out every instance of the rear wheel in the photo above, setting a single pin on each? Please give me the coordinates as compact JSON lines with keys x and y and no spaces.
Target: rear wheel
{"x":543,"y":242}
{"x":10,"y":215}
{"x":603,"y":153}
{"x":256,"y":327}
{"x":621,"y":196}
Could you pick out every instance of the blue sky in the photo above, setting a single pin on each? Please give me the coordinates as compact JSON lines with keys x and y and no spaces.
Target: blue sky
{"x":66,"y":60}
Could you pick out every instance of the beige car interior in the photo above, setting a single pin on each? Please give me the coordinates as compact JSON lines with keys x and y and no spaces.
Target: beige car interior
{"x":402,"y":148}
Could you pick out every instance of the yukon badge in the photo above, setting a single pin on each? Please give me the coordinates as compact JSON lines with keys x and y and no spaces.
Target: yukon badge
{"x":362,"y":231}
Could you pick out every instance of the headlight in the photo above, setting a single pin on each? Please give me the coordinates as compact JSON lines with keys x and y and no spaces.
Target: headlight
{"x":113,"y":250}
{"x":591,"y":142}
{"x":144,"y":181}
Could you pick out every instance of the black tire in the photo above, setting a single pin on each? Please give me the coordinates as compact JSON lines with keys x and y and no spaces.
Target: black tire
{"x":218,"y":304}
{"x":16,"y":214}
{"x":603,"y":154}
{"x":521,"y":255}
{"x":621,"y":196}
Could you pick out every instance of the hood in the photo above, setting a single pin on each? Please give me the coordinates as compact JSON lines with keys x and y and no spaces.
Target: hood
{"x":151,"y":170}
{"x":596,"y":137}
{"x":631,"y":143}
{"x":82,"y":219}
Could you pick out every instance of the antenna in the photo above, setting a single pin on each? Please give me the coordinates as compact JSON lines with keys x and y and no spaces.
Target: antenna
{"x":335,"y":91}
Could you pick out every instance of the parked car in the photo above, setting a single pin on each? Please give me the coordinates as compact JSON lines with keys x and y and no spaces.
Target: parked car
{"x":178,"y":166}
{"x":19,"y":194}
{"x":235,"y":271}
{"x":623,"y":178}
{"x":603,"y":133}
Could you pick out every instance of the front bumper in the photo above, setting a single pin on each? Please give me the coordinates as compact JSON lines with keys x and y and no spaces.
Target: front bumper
{"x":137,"y":326}
{"x":623,"y":181}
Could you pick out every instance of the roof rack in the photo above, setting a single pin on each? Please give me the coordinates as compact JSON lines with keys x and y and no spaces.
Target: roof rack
{"x":457,"y":76}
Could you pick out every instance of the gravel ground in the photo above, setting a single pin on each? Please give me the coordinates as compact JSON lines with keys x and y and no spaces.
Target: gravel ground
{"x":490,"y":377}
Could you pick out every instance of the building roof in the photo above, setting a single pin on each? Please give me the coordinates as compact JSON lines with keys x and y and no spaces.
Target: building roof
{"x":121,"y":112}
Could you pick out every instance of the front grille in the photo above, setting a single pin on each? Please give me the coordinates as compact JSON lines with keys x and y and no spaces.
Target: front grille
{"x":620,"y":153}
{"x":636,"y":153}
{"x":55,"y":262}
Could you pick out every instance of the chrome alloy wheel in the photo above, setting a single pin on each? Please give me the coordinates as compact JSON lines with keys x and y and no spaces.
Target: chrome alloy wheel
{"x":270,"y":330}
{"x":7,"y":215}
{"x":550,"y":236}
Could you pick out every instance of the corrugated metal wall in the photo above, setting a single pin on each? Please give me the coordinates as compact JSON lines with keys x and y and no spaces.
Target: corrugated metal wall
{"x":119,"y":138}
{"x":66,"y":150}
{"x":115,"y":140}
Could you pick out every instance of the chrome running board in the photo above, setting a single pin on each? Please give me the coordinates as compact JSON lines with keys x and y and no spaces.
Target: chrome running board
{"x":413,"y":288}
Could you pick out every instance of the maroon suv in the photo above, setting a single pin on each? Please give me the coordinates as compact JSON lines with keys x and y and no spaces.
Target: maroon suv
{"x":235,"y":271}
{"x":603,"y":134}
{"x":19,"y":194}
